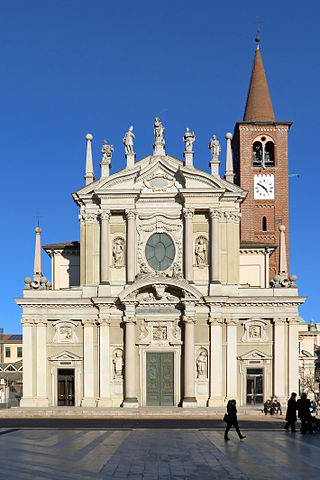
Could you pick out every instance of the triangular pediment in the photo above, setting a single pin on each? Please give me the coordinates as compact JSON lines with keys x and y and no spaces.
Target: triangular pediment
{"x":65,"y":356}
{"x":255,"y":355}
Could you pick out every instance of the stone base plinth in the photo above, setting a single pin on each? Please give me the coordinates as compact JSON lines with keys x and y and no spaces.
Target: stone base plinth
{"x":41,"y":402}
{"x":28,"y":402}
{"x":88,"y":402}
{"x":130,"y":403}
{"x":216,"y":402}
{"x":104,"y":402}
{"x":189,"y":402}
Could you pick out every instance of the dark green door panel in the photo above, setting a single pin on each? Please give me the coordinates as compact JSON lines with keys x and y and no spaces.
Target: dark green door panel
{"x":159,"y":378}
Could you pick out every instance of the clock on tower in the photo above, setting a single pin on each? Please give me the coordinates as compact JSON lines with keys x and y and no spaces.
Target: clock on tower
{"x":260,"y":152}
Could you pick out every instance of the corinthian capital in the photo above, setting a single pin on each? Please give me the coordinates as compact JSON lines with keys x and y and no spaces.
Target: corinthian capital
{"x":188,"y":212}
{"x":105,"y":215}
{"x":88,"y":217}
{"x":131,"y":214}
{"x":214,"y":213}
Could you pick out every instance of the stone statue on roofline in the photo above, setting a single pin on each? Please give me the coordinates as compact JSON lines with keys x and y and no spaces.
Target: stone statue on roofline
{"x":189,"y":138}
{"x":128,"y":140}
{"x":159,"y":143}
{"x":107,"y":153}
{"x":215,"y":148}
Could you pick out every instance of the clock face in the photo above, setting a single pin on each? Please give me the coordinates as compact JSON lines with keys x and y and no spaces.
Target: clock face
{"x":264,"y":187}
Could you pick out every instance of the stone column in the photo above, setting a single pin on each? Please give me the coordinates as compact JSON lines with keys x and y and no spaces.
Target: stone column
{"x":104,"y":246}
{"x":279,"y":370}
{"x":216,"y":363}
{"x":28,"y":381}
{"x":189,"y":399}
{"x":130,"y":400}
{"x":42,"y":395}
{"x":232,"y":374}
{"x":293,"y":356}
{"x":104,"y":362}
{"x":131,"y":245}
{"x":188,"y":244}
{"x":214,"y":247}
{"x":88,"y":363}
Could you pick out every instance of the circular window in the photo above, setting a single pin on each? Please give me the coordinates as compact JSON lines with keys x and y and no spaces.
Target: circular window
{"x":160,"y":251}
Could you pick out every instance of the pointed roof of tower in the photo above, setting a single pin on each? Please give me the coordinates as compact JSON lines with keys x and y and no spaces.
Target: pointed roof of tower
{"x":259,"y":107}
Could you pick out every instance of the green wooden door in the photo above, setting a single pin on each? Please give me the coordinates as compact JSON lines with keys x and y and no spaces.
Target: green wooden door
{"x":160,"y":378}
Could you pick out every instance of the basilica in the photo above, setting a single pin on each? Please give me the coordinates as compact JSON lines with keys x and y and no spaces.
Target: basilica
{"x":178,"y":292}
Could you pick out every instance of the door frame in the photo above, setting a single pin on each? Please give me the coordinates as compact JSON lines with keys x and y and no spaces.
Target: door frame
{"x":255,"y":376}
{"x":176,"y":371}
{"x":74,"y":385}
{"x":66,"y":360}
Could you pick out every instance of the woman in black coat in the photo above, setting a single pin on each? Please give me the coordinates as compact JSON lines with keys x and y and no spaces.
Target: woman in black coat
{"x":232,"y":420}
{"x":291,"y":415}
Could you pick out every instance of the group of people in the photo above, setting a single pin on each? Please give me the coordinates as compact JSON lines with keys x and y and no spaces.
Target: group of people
{"x":304,"y":409}
{"x":272,"y":407}
{"x":303,"y":406}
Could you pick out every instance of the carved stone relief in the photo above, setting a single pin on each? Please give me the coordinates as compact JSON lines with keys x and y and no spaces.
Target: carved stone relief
{"x":117,"y":364}
{"x":65,"y":332}
{"x":201,"y":251}
{"x":202,"y":364}
{"x":118,"y":249}
{"x":254,"y":331}
{"x":161,"y":333}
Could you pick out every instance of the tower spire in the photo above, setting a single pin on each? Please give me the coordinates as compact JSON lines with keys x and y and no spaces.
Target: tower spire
{"x":229,"y":175}
{"x":89,"y":176}
{"x":259,"y":106}
{"x":37,"y":270}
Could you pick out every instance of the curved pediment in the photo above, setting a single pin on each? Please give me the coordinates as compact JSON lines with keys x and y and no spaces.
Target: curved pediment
{"x":160,"y":284}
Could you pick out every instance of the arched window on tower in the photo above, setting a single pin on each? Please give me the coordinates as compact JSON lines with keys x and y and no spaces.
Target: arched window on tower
{"x":257,"y":154}
{"x":269,"y":154}
{"x":264,"y":224}
{"x":263,"y":152}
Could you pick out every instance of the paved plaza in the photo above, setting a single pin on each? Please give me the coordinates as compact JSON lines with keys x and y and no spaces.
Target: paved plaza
{"x":87,"y":454}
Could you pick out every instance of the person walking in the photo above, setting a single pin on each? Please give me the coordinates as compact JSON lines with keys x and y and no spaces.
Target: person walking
{"x":303,"y":406}
{"x":231,"y":419}
{"x":291,"y":416}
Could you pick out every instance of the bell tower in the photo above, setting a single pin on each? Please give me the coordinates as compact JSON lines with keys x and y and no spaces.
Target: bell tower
{"x":260,"y":152}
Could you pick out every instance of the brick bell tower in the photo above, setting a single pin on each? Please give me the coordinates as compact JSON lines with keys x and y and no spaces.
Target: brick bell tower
{"x":260,"y":151}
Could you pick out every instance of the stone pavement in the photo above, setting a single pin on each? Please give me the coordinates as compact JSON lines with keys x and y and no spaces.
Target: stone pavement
{"x":163,"y":454}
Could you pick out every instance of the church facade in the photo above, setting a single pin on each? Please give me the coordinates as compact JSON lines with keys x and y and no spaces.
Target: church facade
{"x":178,"y":291}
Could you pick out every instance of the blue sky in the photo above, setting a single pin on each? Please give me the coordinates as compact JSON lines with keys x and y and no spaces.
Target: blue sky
{"x":71,"y":67}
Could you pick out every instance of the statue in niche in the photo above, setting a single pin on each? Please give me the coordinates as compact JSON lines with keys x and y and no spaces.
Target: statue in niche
{"x":189,"y":138}
{"x":158,"y":129}
{"x":215,"y":148}
{"x":128,"y":140}
{"x":201,"y":251}
{"x":107,"y":153}
{"x":202,"y":364}
{"x":118,"y":251}
{"x":118,"y":364}
{"x":159,"y":333}
{"x":254,"y":331}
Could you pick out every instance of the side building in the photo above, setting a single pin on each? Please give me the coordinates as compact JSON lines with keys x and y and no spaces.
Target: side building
{"x":178,"y":292}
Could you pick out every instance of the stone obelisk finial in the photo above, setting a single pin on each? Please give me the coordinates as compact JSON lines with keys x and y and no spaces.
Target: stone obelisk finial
{"x":89,"y":176}
{"x":229,"y":175}
{"x":283,"y":266}
{"x":37,"y":270}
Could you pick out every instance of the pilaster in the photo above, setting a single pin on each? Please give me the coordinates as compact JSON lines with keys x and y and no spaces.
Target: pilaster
{"x":29,"y":382}
{"x":104,"y":362}
{"x":104,"y":246}
{"x":42,"y":394}
{"x":279,"y":370}
{"x":131,"y":245}
{"x":293,"y":344}
{"x":214,"y":248}
{"x":189,"y":399}
{"x":130,"y":400}
{"x":88,"y":363}
{"x":188,"y":243}
{"x":231,"y":363}
{"x":216,"y":362}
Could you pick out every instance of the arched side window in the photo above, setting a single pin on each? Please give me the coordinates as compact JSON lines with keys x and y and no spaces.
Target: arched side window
{"x":263,"y":152}
{"x":257,"y":154}
{"x":264,"y":224}
{"x":269,"y":154}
